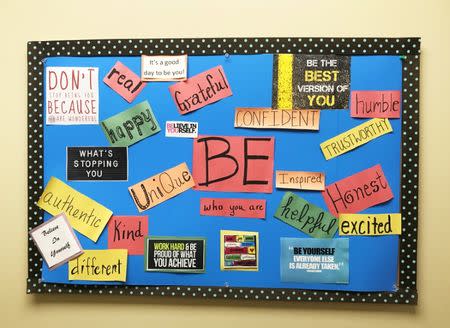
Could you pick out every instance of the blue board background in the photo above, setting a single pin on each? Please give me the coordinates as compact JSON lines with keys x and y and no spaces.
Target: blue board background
{"x":373,"y":260}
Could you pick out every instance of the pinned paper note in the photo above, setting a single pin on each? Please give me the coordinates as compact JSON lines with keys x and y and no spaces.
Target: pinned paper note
{"x":200,"y":90}
{"x":85,"y":215}
{"x":239,"y":164}
{"x":268,"y":118}
{"x":123,"y":81}
{"x":56,"y":241}
{"x":97,"y":163}
{"x":370,"y":224}
{"x":175,"y":254}
{"x":161,"y":187}
{"x":306,"y":217}
{"x":239,"y":250}
{"x":179,"y":129}
{"x":233,"y":207}
{"x":311,"y":81}
{"x":307,"y":260}
{"x":128,"y":232}
{"x":380,"y":104}
{"x":71,"y":95}
{"x":358,"y":192}
{"x":100,"y":265}
{"x":355,"y":137}
{"x":164,"y":68}
{"x":131,"y":125}
{"x":300,"y":180}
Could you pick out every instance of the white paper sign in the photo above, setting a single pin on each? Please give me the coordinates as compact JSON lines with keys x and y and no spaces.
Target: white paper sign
{"x":180,"y":129}
{"x":71,"y":95}
{"x":163,"y":68}
{"x":56,"y":241}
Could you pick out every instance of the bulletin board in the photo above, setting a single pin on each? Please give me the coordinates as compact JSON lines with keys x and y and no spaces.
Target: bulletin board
{"x":381,"y":269}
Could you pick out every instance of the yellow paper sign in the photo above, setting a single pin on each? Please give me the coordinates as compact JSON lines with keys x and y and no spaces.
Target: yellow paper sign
{"x":100,"y":265}
{"x":84,"y":214}
{"x":300,"y":180}
{"x":161,"y":187}
{"x":370,"y":224}
{"x":268,"y":118}
{"x":355,"y":137}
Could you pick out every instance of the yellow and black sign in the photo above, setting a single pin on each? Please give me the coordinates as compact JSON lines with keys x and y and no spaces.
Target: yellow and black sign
{"x":311,"y":82}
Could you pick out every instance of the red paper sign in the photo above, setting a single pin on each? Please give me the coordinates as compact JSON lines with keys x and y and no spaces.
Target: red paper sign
{"x":376,"y":104}
{"x":123,"y":81}
{"x":128,"y":232}
{"x":200,"y":90}
{"x":358,"y":192}
{"x":236,"y":164}
{"x":233,"y":207}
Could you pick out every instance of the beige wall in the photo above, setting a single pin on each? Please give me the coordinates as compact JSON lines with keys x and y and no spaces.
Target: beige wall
{"x":62,"y":19}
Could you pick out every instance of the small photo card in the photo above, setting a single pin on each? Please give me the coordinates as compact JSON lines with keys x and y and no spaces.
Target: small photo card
{"x":56,"y":241}
{"x":239,"y":250}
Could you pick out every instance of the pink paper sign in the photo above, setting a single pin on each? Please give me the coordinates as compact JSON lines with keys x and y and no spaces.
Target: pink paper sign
{"x":128,"y":232}
{"x":200,"y":90}
{"x":235,"y":164}
{"x":376,"y":104}
{"x":233,"y":207}
{"x":123,"y":81}
{"x":358,"y":192}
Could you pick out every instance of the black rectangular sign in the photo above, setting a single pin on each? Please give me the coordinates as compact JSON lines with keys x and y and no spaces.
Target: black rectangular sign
{"x":97,"y":163}
{"x":175,"y":254}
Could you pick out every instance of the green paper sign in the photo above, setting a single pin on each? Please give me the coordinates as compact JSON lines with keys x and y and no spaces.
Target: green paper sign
{"x":306,"y":217}
{"x":131,"y":125}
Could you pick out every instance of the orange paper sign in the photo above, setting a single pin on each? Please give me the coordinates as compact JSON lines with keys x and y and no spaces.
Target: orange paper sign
{"x":236,"y":164}
{"x":233,"y":207}
{"x":161,"y":187}
{"x":358,"y":192}
{"x":268,"y":118}
{"x":300,"y":180}
{"x":200,"y":90}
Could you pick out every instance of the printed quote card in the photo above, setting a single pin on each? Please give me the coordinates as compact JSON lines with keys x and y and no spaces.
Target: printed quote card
{"x":311,"y":81}
{"x":71,"y":95}
{"x":308,"y":260}
{"x":175,"y":254}
{"x":56,"y":241}
{"x":164,"y":68}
